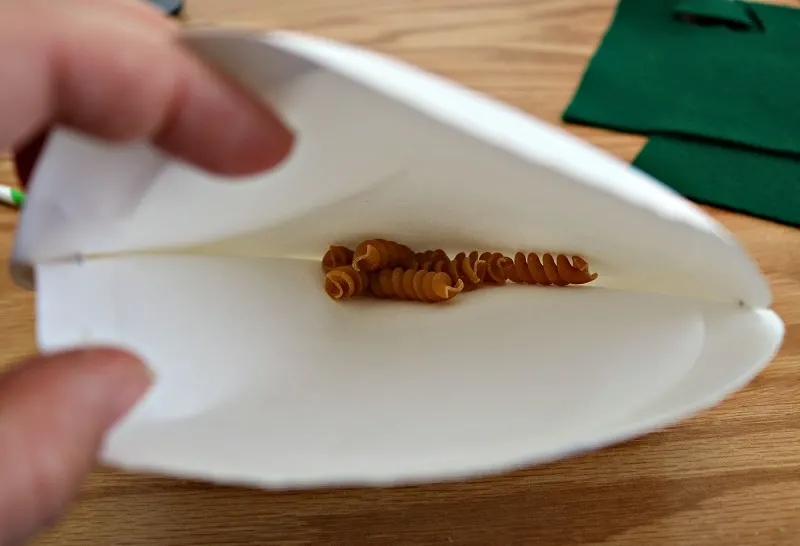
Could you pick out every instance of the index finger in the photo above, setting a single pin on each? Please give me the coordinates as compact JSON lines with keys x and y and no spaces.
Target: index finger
{"x":120,"y":80}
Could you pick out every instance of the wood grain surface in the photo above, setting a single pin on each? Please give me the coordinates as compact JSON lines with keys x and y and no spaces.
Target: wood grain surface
{"x":730,"y":476}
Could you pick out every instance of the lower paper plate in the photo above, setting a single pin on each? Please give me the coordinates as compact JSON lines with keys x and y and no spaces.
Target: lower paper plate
{"x":287,"y":388}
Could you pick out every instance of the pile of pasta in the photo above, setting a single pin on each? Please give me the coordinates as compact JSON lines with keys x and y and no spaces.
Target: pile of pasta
{"x":388,"y":269}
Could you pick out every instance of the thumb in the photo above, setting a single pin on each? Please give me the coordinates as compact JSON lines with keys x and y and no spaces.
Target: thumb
{"x":54,"y":413}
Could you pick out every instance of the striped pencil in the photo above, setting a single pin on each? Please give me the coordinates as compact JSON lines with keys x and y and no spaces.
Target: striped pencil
{"x":11,"y":196}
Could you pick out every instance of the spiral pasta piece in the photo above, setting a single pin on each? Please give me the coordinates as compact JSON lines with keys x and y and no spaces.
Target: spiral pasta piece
{"x":469,"y":269}
{"x":575,"y":273}
{"x":336,"y":256}
{"x":414,"y":284}
{"x":374,"y":254}
{"x":430,"y":260}
{"x":548,"y":270}
{"x":496,"y":264}
{"x":345,"y":282}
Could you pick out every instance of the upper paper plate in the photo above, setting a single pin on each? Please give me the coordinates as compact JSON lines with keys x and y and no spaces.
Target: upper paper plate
{"x":264,"y":380}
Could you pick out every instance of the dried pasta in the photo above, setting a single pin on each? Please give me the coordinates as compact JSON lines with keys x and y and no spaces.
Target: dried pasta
{"x":469,"y":269}
{"x":345,"y":282}
{"x":430,"y":260}
{"x":391,"y":270}
{"x":548,"y":270}
{"x":496,"y":263}
{"x":414,"y":284}
{"x":374,"y":254}
{"x":336,"y":256}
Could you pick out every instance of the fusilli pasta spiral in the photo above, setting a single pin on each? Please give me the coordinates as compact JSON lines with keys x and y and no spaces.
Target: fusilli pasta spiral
{"x":345,"y":282}
{"x":336,"y":256}
{"x":469,"y":269}
{"x":496,"y":264}
{"x":431,"y":259}
{"x":374,"y":254}
{"x":548,"y":270}
{"x":414,"y":284}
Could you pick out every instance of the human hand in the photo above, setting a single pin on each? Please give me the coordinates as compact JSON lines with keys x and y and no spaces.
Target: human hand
{"x":109,"y":68}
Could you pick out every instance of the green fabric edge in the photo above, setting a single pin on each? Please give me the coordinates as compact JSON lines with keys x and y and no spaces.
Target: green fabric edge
{"x":587,"y":103}
{"x":731,"y":11}
{"x":728,"y":177}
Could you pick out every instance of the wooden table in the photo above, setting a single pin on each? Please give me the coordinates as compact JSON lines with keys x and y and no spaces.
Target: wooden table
{"x":729,"y":476}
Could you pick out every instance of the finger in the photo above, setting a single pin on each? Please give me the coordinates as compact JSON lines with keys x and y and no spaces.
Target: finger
{"x":138,"y":10}
{"x":121,"y":81}
{"x":134,"y":11}
{"x":54,"y":412}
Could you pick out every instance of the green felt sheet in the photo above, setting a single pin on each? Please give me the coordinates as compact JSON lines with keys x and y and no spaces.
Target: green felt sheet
{"x":656,"y":73}
{"x":729,"y":177}
{"x":716,"y":84}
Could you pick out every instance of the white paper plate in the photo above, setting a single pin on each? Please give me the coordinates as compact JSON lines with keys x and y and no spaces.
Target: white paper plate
{"x":263,"y":380}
